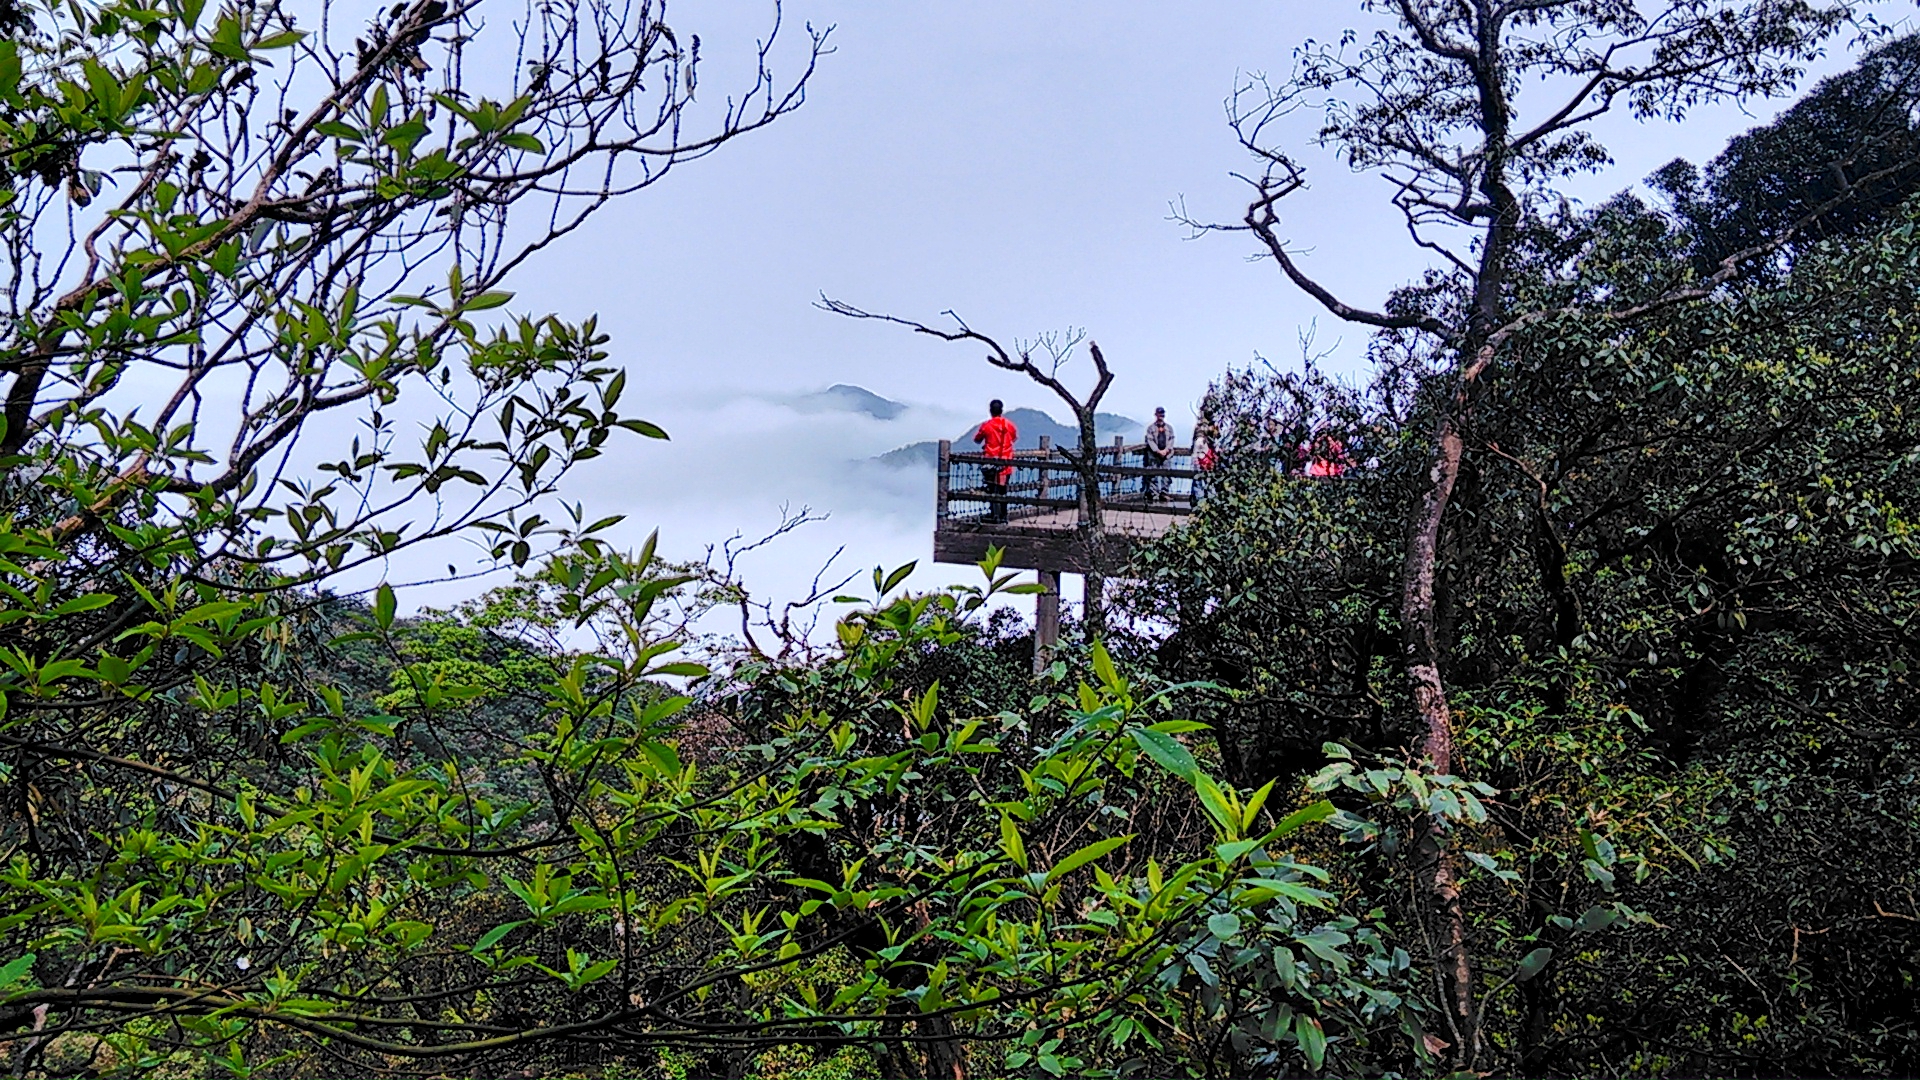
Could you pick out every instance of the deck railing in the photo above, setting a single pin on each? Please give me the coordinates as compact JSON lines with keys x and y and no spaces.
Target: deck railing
{"x":1045,"y":484}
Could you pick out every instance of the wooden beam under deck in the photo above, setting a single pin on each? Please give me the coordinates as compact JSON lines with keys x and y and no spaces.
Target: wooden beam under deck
{"x":1049,"y":542}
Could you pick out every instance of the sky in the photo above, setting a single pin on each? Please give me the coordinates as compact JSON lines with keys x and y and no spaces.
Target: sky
{"x":1011,"y":160}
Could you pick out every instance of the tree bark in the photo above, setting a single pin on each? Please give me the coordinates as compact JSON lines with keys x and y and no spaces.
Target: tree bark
{"x":1092,"y":521}
{"x":1447,"y":917}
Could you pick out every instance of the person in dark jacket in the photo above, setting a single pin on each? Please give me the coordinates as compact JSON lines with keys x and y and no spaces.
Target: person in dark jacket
{"x":1159,"y":451}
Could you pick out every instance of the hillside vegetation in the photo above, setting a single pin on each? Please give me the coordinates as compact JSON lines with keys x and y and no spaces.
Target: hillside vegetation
{"x":1571,"y":730}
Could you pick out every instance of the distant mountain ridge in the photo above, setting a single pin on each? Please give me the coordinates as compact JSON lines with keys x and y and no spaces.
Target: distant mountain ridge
{"x":841,"y":397}
{"x":1030,"y":423}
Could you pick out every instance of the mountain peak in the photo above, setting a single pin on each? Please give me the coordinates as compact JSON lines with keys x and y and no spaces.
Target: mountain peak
{"x":841,"y":397}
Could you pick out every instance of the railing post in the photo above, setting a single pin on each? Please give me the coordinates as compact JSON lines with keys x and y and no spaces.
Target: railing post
{"x":940,"y":485}
{"x":1119,"y":459}
{"x":1046,"y":458}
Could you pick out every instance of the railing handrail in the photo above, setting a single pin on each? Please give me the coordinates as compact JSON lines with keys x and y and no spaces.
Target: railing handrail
{"x":1043,"y":479}
{"x":1030,"y":459}
{"x":1061,"y":451}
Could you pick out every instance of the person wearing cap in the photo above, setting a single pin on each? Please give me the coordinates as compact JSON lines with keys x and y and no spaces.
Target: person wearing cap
{"x":1159,"y":451}
{"x":997,"y":437}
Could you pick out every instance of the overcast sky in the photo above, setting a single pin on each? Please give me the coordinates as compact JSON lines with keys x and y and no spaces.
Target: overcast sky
{"x":1013,"y":160}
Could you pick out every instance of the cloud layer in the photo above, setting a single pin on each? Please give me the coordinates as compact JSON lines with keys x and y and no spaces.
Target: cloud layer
{"x":736,"y":460}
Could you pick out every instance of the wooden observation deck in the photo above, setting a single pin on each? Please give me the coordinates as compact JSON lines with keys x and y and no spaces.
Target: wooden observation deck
{"x":1038,"y":524}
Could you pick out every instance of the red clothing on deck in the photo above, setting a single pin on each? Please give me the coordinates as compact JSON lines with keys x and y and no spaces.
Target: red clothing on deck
{"x":999,"y":435}
{"x":1329,"y":458}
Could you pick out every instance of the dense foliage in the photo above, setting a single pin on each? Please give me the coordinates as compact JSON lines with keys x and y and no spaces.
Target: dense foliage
{"x":252,"y":827}
{"x":1678,"y":601}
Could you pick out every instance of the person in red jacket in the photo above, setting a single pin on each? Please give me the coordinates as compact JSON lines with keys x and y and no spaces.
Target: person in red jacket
{"x":1326,"y":455}
{"x":997,"y":437}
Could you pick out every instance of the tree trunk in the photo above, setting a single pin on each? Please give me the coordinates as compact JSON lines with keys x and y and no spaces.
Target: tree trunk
{"x":1092,"y":526}
{"x":1447,"y":915}
{"x":1447,"y":924}
{"x":946,"y":1058}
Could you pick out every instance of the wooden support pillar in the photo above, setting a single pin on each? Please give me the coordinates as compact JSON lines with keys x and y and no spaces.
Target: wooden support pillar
{"x":940,"y":488}
{"x":1046,"y":620}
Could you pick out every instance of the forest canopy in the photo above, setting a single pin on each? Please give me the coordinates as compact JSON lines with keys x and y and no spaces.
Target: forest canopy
{"x":1570,"y":730}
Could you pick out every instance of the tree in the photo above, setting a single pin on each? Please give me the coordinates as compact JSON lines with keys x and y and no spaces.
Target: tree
{"x":1667,"y":599}
{"x":885,"y":869}
{"x":1085,"y":458}
{"x":245,"y":255}
{"x":1707,"y":526}
{"x":1435,"y":104}
{"x":230,"y":847}
{"x":1283,"y":589}
{"x":253,"y":256}
{"x":1859,"y":124}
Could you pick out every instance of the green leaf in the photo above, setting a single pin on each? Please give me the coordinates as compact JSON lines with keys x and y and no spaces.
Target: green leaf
{"x":642,"y":427}
{"x":1103,"y":667}
{"x":1597,"y":847}
{"x":403,"y":137}
{"x":1011,"y":843}
{"x":1596,"y":918}
{"x":1235,"y":851}
{"x":16,"y":969}
{"x":1214,"y":798}
{"x":212,"y":611}
{"x":487,"y":300}
{"x":1532,"y":964}
{"x":1600,"y":874}
{"x":664,"y":757}
{"x":384,"y":606}
{"x":1252,"y":809}
{"x":492,"y":937}
{"x":1164,"y":749}
{"x":593,"y":972}
{"x":83,"y":603}
{"x":307,"y":729}
{"x":1097,"y":849}
{"x":1223,"y":925}
{"x":409,"y":932}
{"x":106,"y":88}
{"x":10,"y":71}
{"x":1259,"y":890}
{"x":1312,"y":1039}
{"x":1293,"y":822}
{"x":897,"y":577}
